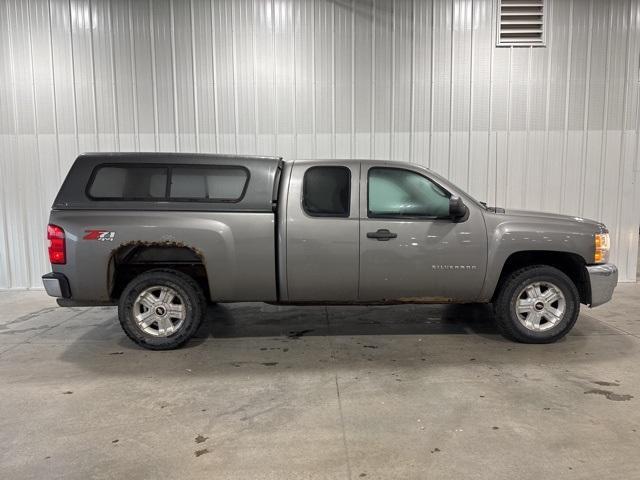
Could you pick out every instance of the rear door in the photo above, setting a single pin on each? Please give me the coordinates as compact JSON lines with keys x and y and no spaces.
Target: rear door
{"x":410,"y":250}
{"x":323,"y":232}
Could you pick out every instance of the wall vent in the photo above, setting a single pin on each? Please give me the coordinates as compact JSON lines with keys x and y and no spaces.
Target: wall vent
{"x":521,"y":23}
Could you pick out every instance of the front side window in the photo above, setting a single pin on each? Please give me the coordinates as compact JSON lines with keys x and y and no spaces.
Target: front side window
{"x":129,"y":183}
{"x":394,"y":192}
{"x":326,"y":191}
{"x":221,"y":184}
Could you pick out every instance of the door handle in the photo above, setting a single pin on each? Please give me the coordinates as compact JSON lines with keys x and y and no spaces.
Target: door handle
{"x":382,"y":235}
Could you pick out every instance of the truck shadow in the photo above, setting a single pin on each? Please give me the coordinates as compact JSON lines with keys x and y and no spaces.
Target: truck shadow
{"x":260,"y":339}
{"x":262,"y":320}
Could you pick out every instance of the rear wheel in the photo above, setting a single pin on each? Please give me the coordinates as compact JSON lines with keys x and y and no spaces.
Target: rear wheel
{"x":161,"y":309}
{"x":537,"y":304}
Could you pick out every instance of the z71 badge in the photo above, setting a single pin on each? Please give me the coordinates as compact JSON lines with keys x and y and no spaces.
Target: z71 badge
{"x":101,"y":235}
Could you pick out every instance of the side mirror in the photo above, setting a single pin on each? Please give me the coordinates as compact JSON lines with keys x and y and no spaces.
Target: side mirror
{"x":457,"y":208}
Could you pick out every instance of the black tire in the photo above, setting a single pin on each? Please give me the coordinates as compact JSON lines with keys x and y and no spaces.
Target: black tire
{"x":190,"y":296}
{"x":506,"y":316}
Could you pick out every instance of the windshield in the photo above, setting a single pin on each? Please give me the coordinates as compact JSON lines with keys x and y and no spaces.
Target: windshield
{"x":446,"y":183}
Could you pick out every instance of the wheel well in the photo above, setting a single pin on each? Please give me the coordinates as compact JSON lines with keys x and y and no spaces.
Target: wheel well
{"x":129,"y":261}
{"x":571,"y":264}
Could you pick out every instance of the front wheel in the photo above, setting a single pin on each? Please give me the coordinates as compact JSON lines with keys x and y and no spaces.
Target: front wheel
{"x":537,"y":304}
{"x":161,"y":309}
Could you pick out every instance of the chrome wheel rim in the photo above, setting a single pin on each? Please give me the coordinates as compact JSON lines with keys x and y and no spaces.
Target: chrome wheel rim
{"x":159,"y":311}
{"x":540,"y":306}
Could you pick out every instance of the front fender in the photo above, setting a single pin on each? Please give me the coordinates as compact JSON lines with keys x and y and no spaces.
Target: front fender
{"x":508,"y":234}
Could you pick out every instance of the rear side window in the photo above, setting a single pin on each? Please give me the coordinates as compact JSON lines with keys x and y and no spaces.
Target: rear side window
{"x":326,"y":191}
{"x":129,"y":183}
{"x":174,"y":182}
{"x":219,"y":184}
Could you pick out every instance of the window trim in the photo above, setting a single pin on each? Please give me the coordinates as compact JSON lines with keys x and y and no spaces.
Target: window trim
{"x":326,"y":215}
{"x":404,"y":217}
{"x":168,"y":168}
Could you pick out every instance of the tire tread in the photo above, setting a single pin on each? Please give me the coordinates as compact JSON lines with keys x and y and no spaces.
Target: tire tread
{"x":502,"y":306}
{"x":184,"y":281}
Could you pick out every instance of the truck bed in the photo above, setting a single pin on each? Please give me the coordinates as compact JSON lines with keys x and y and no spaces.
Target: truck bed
{"x":234,"y":240}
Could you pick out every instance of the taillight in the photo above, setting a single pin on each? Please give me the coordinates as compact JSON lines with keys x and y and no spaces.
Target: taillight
{"x":57,"y":249}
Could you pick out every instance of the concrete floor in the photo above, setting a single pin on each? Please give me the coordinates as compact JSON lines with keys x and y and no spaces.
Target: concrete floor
{"x":272,"y":392}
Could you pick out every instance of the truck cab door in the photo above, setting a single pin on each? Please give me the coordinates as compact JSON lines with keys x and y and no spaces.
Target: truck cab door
{"x":411,"y":250}
{"x":322,"y":232}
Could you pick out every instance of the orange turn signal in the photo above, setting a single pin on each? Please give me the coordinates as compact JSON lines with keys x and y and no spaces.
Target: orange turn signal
{"x":601,"y":254}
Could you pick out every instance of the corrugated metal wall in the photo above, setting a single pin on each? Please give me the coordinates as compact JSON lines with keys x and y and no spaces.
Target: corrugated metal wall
{"x":552,"y":128}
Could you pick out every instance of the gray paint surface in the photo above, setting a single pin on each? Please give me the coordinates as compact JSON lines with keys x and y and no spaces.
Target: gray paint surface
{"x":284,"y":254}
{"x":238,"y":248}
{"x":553,"y":128}
{"x":403,"y":268}
{"x":322,"y":252}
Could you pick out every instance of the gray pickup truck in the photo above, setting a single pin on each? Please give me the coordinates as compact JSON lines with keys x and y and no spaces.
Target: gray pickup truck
{"x":163,"y":234}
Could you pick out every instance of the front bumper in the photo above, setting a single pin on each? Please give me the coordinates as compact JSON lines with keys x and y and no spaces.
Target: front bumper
{"x":56,"y":285}
{"x":603,"y":279}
